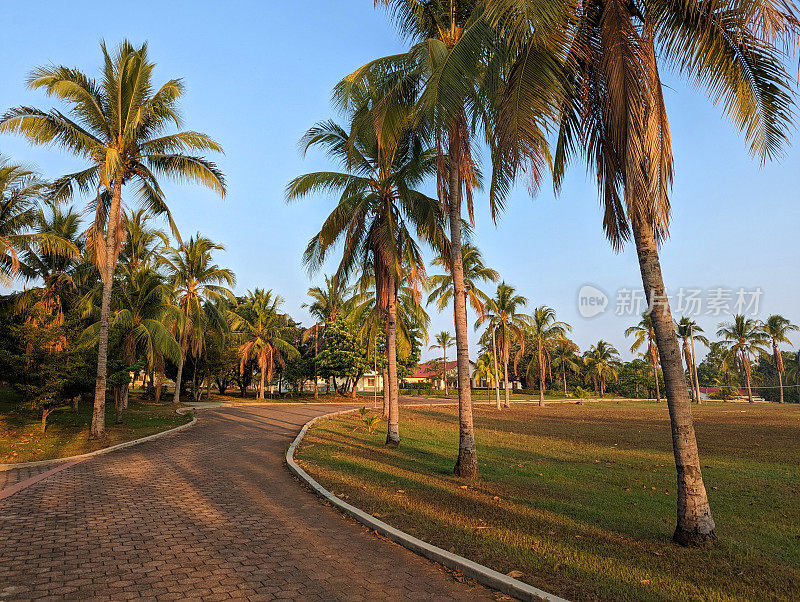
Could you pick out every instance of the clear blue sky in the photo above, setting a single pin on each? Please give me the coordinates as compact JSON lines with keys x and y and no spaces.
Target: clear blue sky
{"x":259,"y":73}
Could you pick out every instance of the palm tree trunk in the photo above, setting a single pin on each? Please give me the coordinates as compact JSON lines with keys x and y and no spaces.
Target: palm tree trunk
{"x":778,"y":368}
{"x":655,"y":375}
{"x":98,"y":430}
{"x":261,"y":384}
{"x":467,"y":462}
{"x":541,"y":381}
{"x":564,"y":377}
{"x":385,"y":379}
{"x":694,"y":369}
{"x":444,"y":369}
{"x":393,"y":429}
{"x":506,"y":402}
{"x":695,"y":526}
{"x":176,"y":397}
{"x":316,"y":351}
{"x":746,"y":365}
{"x":496,"y":377}
{"x":687,"y":357}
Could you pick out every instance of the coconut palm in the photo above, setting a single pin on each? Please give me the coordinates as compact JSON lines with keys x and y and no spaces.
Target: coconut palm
{"x":644,"y":334}
{"x":777,"y":329}
{"x":444,"y":340}
{"x":503,"y":312}
{"x":20,"y":189}
{"x":197,"y":285}
{"x":454,"y":82}
{"x":545,"y":333}
{"x":612,"y":112}
{"x":602,"y":364}
{"x":475,"y":272}
{"x":264,"y":333}
{"x":57,"y":271}
{"x":143,"y":243}
{"x":745,"y":340}
{"x":688,"y":332}
{"x":380,"y":210}
{"x":325,"y":307}
{"x":565,"y":355}
{"x":117,"y":125}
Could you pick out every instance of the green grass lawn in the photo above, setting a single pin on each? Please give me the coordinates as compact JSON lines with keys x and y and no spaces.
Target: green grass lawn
{"x":67,"y":433}
{"x":581,"y":498}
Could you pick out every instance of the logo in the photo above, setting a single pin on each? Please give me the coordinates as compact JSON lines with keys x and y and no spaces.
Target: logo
{"x":591,"y":301}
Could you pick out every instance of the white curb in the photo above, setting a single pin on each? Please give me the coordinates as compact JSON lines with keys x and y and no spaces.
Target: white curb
{"x":482,"y":574}
{"x":104,"y":450}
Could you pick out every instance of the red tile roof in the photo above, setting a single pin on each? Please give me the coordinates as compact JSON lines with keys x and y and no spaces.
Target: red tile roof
{"x":432,"y":368}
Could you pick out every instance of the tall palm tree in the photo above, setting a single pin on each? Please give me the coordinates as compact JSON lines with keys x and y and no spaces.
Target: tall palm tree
{"x":545,"y":333}
{"x":20,"y":190}
{"x":117,"y":125}
{"x":379,"y":212}
{"x":197,"y":285}
{"x":454,"y":82}
{"x":644,"y":334}
{"x":777,"y":329}
{"x":475,"y":272}
{"x":688,"y":332}
{"x":602,"y":363}
{"x":325,"y":307}
{"x":143,"y":243}
{"x":504,"y":312}
{"x":565,"y":354}
{"x":264,"y":332}
{"x":745,"y":340}
{"x":444,"y":340}
{"x":612,"y":112}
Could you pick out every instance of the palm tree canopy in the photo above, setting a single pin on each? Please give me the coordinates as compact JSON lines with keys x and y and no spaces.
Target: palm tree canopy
{"x":504,"y":312}
{"x":118,"y":125}
{"x":475,"y":272}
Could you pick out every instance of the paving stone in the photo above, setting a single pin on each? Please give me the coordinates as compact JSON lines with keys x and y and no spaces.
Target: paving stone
{"x":207,"y":513}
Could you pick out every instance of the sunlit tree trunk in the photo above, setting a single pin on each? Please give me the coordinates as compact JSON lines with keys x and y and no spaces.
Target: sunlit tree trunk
{"x":385,"y":381}
{"x":695,"y":526}
{"x":467,"y":463}
{"x":98,"y":429}
{"x":496,"y":376}
{"x":393,"y":430}
{"x":694,"y":370}
{"x":654,"y":361}
{"x":316,"y":352}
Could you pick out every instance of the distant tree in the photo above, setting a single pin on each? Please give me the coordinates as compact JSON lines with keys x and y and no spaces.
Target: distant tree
{"x":688,"y":332}
{"x":777,"y":328}
{"x":602,"y":363}
{"x":475,"y":272}
{"x":644,"y":334}
{"x":545,"y":332}
{"x":342,"y":358}
{"x":444,"y":340}
{"x":745,"y":340}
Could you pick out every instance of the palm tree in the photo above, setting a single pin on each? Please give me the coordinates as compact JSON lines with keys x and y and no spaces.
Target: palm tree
{"x":56,"y":270}
{"x":484,"y":368}
{"x":503,"y":312}
{"x":117,"y":125}
{"x":143,"y":243}
{"x":412,"y":321}
{"x":545,"y":332}
{"x":326,"y":304}
{"x":453,"y":81}
{"x":475,"y":272}
{"x":197,"y":285}
{"x":688,"y":332}
{"x":379,"y":211}
{"x":602,"y":362}
{"x":777,"y":328}
{"x":745,"y":340}
{"x":444,"y":340}
{"x":20,"y":189}
{"x":565,"y":354}
{"x":139,"y":306}
{"x":644,"y":334}
{"x":264,"y":332}
{"x":612,"y":111}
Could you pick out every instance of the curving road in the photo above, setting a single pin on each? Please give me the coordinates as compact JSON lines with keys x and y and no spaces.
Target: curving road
{"x":210,"y":512}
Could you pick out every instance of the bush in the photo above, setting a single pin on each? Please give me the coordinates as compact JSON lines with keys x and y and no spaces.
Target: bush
{"x":581,"y":393}
{"x":421,"y":386}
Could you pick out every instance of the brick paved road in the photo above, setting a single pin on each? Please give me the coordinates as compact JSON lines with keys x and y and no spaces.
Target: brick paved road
{"x":210,"y":512}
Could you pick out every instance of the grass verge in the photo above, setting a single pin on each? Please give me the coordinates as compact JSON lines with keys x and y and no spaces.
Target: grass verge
{"x":579,"y":500}
{"x":68,"y":432}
